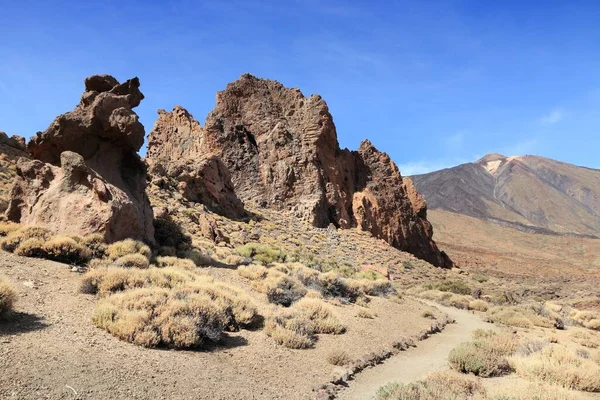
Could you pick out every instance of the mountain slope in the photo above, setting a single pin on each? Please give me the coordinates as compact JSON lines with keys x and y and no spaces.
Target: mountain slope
{"x":527,"y":192}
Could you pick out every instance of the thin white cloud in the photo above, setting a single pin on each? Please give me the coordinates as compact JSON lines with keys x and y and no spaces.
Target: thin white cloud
{"x":554,"y":117}
{"x":523,"y":147}
{"x":455,"y":142}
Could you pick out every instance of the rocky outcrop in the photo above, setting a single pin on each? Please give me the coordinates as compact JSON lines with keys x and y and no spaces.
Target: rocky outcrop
{"x":281,"y":151}
{"x":176,"y":158}
{"x":11,"y":150}
{"x":86,"y":175}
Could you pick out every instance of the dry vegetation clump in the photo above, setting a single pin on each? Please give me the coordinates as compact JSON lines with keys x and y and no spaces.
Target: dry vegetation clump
{"x":538,"y":391}
{"x":296,"y":326}
{"x":339,"y":358}
{"x":321,"y":315}
{"x":96,"y":243}
{"x":237,"y":306}
{"x":290,"y":329}
{"x":15,"y":238}
{"x":587,"y":319}
{"x":524,"y":316}
{"x":437,"y":386}
{"x":557,"y":364}
{"x":262,"y":253}
{"x":485,"y":356}
{"x":478,"y":305}
{"x":8,"y":227}
{"x":135,"y":260}
{"x":456,"y":287}
{"x":152,"y":317}
{"x":8,"y":297}
{"x":280,"y":288}
{"x":373,"y":287}
{"x":364,"y":313}
{"x":62,"y":249}
{"x":125,"y":247}
{"x":106,"y":280}
{"x":253,"y":272}
{"x":170,"y":261}
{"x":585,"y":339}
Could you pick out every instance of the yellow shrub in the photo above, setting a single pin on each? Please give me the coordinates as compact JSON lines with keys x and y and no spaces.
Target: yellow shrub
{"x":558,"y":365}
{"x":15,"y":238}
{"x":437,"y":386}
{"x":161,"y":317}
{"x":8,"y":227}
{"x":322,"y":316}
{"x":167,"y":261}
{"x":126,"y":247}
{"x":135,"y":260}
{"x":7,"y":297}
{"x":478,"y":305}
{"x":114,"y":279}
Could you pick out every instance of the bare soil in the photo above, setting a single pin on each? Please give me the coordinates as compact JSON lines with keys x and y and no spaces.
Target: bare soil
{"x":49,"y":349}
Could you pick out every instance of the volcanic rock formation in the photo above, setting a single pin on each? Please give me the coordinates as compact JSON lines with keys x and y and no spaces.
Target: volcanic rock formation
{"x":86,"y":175}
{"x":11,"y":149}
{"x":200,"y":176}
{"x":281,"y":151}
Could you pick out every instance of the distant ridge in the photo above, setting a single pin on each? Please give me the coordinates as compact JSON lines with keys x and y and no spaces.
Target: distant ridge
{"x":529,"y":193}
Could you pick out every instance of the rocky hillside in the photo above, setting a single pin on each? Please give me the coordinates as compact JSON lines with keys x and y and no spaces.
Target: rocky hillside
{"x":530,"y":193}
{"x":273,"y":148}
{"x":11,"y":149}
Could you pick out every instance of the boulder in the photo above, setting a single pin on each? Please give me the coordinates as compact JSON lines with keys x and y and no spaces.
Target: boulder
{"x":85,"y":175}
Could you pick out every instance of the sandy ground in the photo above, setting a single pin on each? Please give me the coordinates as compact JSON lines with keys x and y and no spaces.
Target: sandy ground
{"x":429,"y":356}
{"x":50,"y":350}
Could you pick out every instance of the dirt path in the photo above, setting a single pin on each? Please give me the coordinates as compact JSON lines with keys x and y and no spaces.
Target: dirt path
{"x":429,"y":356}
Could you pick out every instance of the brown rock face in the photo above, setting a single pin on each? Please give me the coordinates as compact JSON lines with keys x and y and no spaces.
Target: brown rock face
{"x":281,"y":150}
{"x":11,"y":150}
{"x":174,"y":153}
{"x":86,"y":175}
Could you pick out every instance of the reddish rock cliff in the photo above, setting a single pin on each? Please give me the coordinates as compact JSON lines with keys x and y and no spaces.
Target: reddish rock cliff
{"x":86,"y":175}
{"x":281,"y":151}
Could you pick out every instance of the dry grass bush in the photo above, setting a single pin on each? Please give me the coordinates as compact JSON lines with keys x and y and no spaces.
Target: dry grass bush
{"x":261,"y":253}
{"x":456,"y":287}
{"x":339,"y":358}
{"x":538,"y":391}
{"x":253,"y":272}
{"x":364,"y":313}
{"x":128,"y":246}
{"x":290,"y":329}
{"x":587,"y":319}
{"x":378,"y":287}
{"x":169,"y":261}
{"x":135,"y":260}
{"x":585,"y":339}
{"x":197,"y":257}
{"x":106,"y":280}
{"x":66,"y":250}
{"x":446,"y":298}
{"x":154,"y":317}
{"x":15,"y":238}
{"x":321,"y":315}
{"x":478,"y":305}
{"x":8,"y":297}
{"x":556,"y":364}
{"x":96,"y":243}
{"x":428,"y":314}
{"x":62,"y":249}
{"x":237,"y":306}
{"x":523,"y":316}
{"x":8,"y":227}
{"x":437,"y":386}
{"x":485,"y":356}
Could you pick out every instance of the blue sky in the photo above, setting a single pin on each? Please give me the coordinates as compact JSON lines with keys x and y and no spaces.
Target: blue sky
{"x":433,"y":83}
